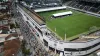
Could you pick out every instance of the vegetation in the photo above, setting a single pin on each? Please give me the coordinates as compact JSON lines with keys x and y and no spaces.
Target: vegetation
{"x":24,"y":50}
{"x":17,"y":26}
{"x":71,"y":25}
{"x":12,"y":26}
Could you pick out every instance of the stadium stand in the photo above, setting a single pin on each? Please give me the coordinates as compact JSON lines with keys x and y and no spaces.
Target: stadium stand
{"x":35,"y":4}
{"x":92,"y":6}
{"x":49,"y":9}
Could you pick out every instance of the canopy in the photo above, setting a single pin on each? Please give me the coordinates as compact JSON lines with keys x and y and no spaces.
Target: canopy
{"x":61,"y":14}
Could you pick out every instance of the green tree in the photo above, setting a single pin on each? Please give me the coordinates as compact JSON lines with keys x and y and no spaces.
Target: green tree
{"x":24,"y":50}
{"x":12,"y":26}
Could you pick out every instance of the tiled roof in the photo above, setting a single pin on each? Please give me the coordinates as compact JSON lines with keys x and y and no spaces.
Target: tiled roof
{"x":11,"y":47}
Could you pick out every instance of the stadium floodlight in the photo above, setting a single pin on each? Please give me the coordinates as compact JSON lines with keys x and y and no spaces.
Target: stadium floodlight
{"x":55,"y":47}
{"x":55,"y":29}
{"x":65,"y":35}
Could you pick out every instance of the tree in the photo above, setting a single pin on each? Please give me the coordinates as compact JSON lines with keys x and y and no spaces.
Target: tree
{"x":17,"y":26}
{"x":24,"y":50}
{"x":12,"y":26}
{"x":93,"y":28}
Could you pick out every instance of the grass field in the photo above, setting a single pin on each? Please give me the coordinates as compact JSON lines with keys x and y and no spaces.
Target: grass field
{"x":72,"y":25}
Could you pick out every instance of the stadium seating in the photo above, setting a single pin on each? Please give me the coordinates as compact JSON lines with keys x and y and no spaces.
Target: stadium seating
{"x":44,"y":3}
{"x":87,"y":6}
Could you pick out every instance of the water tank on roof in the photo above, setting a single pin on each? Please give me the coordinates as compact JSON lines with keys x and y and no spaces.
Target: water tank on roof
{"x":98,"y":54}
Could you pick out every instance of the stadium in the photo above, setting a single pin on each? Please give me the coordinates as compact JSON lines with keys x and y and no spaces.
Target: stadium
{"x":71,"y":25}
{"x":71,"y":30}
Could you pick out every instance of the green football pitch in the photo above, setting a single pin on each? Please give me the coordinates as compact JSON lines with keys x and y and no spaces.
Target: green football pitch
{"x":72,"y":25}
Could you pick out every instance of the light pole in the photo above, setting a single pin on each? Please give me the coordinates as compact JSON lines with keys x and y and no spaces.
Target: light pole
{"x":65,"y":34}
{"x":55,"y":47}
{"x":55,"y":29}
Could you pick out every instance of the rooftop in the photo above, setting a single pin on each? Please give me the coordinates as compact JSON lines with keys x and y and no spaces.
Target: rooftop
{"x":2,"y":37}
{"x":11,"y":47}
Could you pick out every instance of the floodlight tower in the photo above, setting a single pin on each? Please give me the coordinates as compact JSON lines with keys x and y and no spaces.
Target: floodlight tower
{"x":65,"y":34}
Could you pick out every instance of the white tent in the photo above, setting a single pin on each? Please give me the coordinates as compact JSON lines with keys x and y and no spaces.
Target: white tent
{"x":62,"y":14}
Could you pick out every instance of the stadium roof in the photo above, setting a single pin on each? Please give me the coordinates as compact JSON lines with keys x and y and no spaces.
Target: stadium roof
{"x":49,"y":9}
